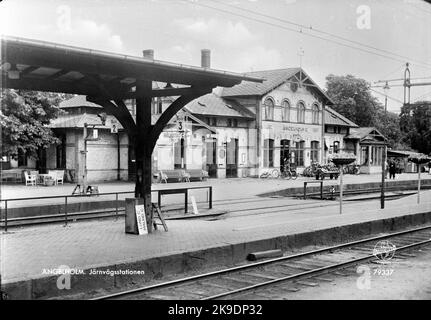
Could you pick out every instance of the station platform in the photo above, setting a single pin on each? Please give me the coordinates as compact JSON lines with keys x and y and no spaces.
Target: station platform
{"x":252,"y":224}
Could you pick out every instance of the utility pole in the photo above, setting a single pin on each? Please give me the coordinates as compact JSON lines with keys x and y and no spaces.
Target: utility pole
{"x":407,"y":84}
{"x":385,"y":90}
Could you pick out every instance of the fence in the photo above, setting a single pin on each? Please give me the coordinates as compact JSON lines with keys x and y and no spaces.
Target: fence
{"x":67,"y":216}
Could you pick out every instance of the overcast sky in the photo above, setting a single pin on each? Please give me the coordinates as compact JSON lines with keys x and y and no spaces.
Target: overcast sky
{"x":241,"y":40}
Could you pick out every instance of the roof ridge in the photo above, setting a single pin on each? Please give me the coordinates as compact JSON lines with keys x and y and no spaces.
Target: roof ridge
{"x":273,"y":70}
{"x":348,"y":121}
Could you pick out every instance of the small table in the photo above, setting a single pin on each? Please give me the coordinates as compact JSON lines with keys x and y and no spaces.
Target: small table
{"x":43,"y":178}
{"x":321,"y":188}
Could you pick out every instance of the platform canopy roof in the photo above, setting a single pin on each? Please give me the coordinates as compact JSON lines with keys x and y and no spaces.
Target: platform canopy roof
{"x":43,"y":66}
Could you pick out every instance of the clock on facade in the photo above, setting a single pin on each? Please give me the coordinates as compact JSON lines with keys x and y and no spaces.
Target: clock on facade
{"x":293,"y":86}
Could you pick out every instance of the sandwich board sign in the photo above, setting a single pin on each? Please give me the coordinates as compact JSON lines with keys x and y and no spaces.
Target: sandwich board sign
{"x":195,"y":207}
{"x":141,"y":219}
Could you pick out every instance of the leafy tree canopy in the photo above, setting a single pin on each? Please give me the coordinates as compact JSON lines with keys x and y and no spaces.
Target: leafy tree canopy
{"x":24,"y":118}
{"x":353,"y":99}
{"x":415,"y":122}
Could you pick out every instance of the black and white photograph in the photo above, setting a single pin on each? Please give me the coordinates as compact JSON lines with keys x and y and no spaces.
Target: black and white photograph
{"x":237,"y":152}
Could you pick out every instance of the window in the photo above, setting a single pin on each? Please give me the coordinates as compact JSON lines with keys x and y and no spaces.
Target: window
{"x":214,"y":122}
{"x":235,"y":123}
{"x":299,"y":153}
{"x":285,"y":112}
{"x":229,"y":122}
{"x":336,"y":146}
{"x":315,"y":114}
{"x":314,"y":154}
{"x":269,"y":109}
{"x":301,"y":112}
{"x":159,"y":106}
{"x":330,"y":129}
{"x":268,"y":153}
{"x":364,"y":155}
{"x":208,"y":121}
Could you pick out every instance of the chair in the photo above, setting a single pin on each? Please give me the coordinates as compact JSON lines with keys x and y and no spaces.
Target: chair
{"x":53,"y":175}
{"x":185,"y":176}
{"x":59,"y":176}
{"x":30,"y":179}
{"x":163,"y":177}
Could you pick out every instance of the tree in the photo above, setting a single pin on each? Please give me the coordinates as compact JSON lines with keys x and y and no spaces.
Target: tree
{"x":353,"y":99}
{"x":415,"y":122}
{"x":388,"y":123}
{"x":24,"y":118}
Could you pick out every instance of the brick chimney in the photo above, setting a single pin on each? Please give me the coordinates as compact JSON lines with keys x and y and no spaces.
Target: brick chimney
{"x":206,"y":58}
{"x":148,"y":54}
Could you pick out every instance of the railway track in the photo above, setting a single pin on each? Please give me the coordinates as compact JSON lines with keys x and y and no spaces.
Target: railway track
{"x":286,"y":273}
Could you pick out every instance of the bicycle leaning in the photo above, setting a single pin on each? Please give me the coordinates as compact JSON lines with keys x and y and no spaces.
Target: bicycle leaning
{"x":289,"y":172}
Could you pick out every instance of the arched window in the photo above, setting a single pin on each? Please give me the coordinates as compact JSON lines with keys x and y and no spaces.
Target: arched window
{"x":301,"y":112}
{"x":285,"y":111}
{"x":269,"y":109}
{"x":315,"y":114}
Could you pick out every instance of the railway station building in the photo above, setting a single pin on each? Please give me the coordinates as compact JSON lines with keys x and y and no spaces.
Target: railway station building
{"x":241,"y":131}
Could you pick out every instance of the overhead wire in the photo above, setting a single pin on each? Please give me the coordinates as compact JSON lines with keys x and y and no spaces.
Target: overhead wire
{"x":311,"y":29}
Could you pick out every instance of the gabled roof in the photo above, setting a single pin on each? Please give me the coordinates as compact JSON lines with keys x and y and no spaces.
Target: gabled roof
{"x":334,"y":118}
{"x":78,"y":101}
{"x":366,"y":134}
{"x":272,"y":79}
{"x":78,"y":120}
{"x":214,"y":105}
{"x":402,"y":153}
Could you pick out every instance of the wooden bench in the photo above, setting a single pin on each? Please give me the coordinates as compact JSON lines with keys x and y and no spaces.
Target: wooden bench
{"x":198,"y":174}
{"x":171,"y":175}
{"x":12,"y":175}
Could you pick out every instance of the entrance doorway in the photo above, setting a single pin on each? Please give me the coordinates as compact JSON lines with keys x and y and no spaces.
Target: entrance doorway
{"x":284,"y":153}
{"x":180,"y":154}
{"x":232,"y":159}
{"x":211,"y":153}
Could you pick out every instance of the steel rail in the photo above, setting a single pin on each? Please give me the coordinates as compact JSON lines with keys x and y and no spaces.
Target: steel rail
{"x":253,"y":265}
{"x":311,"y":272}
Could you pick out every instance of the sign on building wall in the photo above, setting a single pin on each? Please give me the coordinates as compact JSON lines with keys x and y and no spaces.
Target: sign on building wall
{"x":141,"y":219}
{"x":114,"y":126}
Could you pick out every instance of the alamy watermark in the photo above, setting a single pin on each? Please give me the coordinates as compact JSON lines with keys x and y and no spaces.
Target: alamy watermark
{"x":384,"y":251}
{"x":363,"y":21}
